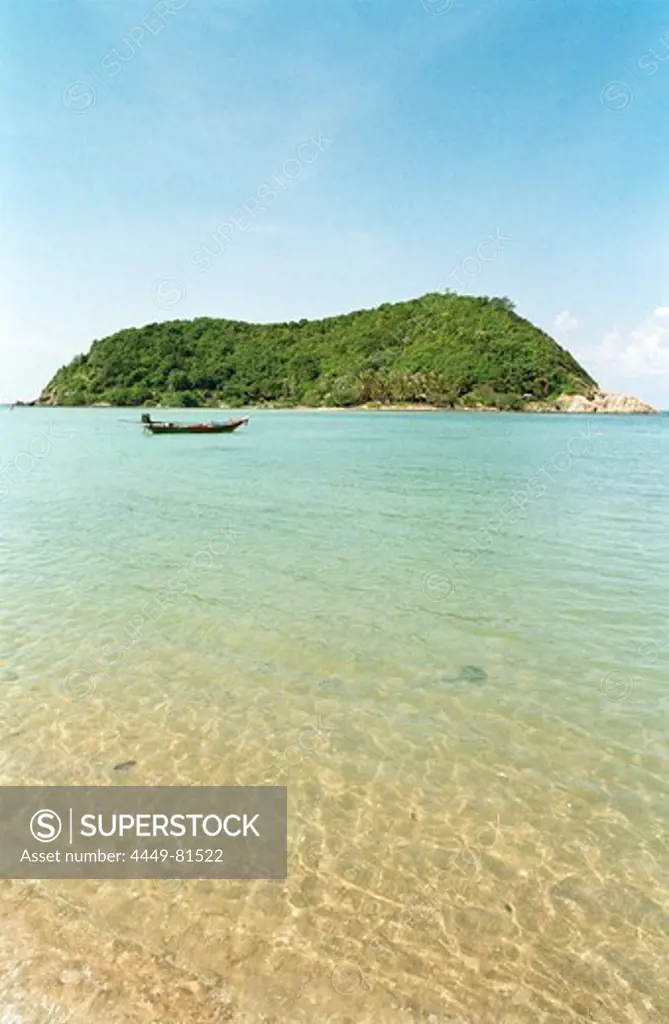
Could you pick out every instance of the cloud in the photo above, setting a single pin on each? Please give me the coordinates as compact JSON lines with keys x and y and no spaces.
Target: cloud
{"x":564,"y":321}
{"x":644,"y":350}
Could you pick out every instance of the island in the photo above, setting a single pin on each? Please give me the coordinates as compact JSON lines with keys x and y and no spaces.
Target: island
{"x":441,"y":351}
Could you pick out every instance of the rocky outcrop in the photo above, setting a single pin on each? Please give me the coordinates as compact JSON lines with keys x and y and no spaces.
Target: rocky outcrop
{"x":604,"y":403}
{"x":47,"y":397}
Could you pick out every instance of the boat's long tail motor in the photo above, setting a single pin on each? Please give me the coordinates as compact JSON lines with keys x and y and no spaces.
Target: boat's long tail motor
{"x":146,"y":417}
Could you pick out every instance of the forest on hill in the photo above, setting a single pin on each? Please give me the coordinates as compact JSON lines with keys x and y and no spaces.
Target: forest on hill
{"x":443,"y":349}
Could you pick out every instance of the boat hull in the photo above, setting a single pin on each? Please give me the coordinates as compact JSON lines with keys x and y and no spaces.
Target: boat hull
{"x":194,"y":428}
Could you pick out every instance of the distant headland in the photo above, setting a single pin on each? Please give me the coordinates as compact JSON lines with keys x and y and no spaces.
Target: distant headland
{"x":442,"y":351}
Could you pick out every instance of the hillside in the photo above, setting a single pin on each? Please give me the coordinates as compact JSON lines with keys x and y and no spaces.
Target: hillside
{"x":443,"y":349}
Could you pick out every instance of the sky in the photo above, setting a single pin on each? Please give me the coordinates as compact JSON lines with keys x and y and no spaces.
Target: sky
{"x":274,"y":159}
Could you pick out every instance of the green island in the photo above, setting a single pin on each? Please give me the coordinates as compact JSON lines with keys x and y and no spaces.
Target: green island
{"x":443,"y":350}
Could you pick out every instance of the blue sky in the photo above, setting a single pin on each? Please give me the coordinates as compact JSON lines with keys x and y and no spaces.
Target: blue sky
{"x":272,"y":159}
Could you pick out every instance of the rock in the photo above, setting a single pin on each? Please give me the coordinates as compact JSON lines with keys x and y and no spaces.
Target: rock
{"x":601,"y":402}
{"x":194,"y":987}
{"x":46,"y":397}
{"x":471,"y":674}
{"x":70,"y":977}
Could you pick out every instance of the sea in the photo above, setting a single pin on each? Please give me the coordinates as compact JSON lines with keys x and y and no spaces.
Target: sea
{"x":447,"y":634}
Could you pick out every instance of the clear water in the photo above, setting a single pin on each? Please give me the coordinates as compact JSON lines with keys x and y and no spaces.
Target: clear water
{"x":447,"y":634}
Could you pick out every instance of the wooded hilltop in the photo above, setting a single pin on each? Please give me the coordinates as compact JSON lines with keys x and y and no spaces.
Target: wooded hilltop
{"x":443,"y":349}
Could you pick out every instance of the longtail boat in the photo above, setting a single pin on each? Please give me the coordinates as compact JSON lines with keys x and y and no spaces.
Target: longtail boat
{"x":161,"y":427}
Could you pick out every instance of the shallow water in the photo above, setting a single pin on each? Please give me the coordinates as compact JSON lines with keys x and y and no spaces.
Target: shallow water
{"x":447,"y":634}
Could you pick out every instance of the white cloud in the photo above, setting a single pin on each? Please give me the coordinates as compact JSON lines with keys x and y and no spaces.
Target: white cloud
{"x":644,"y":350}
{"x":564,"y":321}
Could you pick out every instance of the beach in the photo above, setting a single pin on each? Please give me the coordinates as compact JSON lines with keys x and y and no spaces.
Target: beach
{"x":444,"y":634}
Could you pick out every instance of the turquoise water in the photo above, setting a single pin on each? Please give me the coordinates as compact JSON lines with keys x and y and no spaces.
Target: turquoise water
{"x":446,"y":633}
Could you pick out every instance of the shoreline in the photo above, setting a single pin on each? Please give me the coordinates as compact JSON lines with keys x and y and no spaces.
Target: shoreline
{"x":385,"y":408}
{"x":593,"y":402}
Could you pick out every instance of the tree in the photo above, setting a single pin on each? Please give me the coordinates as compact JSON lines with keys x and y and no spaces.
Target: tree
{"x":179,"y":380}
{"x":435,"y":349}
